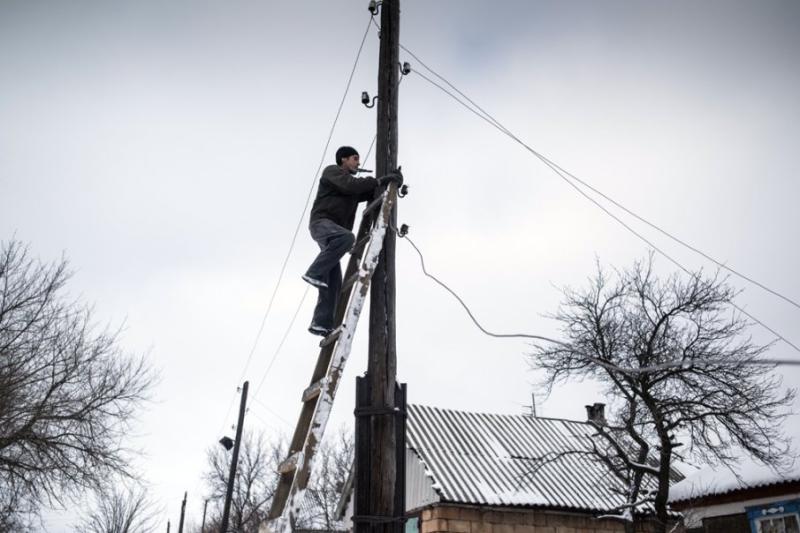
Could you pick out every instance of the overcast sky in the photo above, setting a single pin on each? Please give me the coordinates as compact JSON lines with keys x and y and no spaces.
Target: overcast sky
{"x":167,"y":149}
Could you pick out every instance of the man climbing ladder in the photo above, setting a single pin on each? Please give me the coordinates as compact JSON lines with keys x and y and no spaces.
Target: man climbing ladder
{"x":335,"y":349}
{"x":331,"y":225}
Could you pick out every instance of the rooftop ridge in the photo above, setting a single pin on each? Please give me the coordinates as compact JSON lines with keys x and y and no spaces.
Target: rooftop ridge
{"x":521,"y":416}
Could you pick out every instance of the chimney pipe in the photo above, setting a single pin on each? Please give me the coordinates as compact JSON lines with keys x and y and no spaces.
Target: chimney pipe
{"x":596,"y":413}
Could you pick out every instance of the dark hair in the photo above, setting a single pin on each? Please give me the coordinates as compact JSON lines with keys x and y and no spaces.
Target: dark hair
{"x":343,"y":152}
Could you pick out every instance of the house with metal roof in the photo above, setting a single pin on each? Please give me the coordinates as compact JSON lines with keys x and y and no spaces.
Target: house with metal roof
{"x":751,"y":498}
{"x":469,"y":472}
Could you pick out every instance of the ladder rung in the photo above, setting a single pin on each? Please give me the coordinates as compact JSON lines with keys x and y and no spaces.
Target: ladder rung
{"x":296,"y":469}
{"x":359,"y":246}
{"x":374,"y":204}
{"x":313,"y":390}
{"x":331,"y":338}
{"x":290,"y":463}
{"x":350,"y":281}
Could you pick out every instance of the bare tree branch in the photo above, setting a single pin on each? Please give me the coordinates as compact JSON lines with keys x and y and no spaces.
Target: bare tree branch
{"x":121,"y":509}
{"x":68,"y":392}
{"x":257,"y":475}
{"x":677,"y":364}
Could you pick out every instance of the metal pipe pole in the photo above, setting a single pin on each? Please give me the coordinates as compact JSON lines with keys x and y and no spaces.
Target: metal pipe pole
{"x":183,"y":513}
{"x":234,"y":459}
{"x":203,"y":526}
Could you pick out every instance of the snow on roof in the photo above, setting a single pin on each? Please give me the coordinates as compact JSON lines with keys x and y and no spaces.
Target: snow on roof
{"x":490,"y":459}
{"x":715,"y":480}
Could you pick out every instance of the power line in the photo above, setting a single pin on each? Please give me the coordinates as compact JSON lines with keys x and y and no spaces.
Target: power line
{"x":273,"y":412}
{"x":305,"y":206}
{"x":230,"y":406}
{"x":258,"y":417}
{"x":563,"y":175}
{"x":219,"y":432}
{"x":497,"y":124}
{"x":299,"y":305}
{"x":297,"y":311}
{"x":280,"y":344}
{"x":297,"y":230}
{"x":599,"y":362}
{"x":466,"y":307}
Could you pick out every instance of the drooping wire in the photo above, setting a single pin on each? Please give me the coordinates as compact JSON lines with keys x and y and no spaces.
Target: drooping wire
{"x":366,"y":158}
{"x":299,"y":305}
{"x":199,"y":480}
{"x":600,"y":362}
{"x":305,"y":206}
{"x":280,"y":344}
{"x":260,"y":419}
{"x":466,"y":307}
{"x":272,"y":411}
{"x":564,"y":176}
{"x":683,"y":243}
{"x":297,"y":228}
{"x":546,"y":160}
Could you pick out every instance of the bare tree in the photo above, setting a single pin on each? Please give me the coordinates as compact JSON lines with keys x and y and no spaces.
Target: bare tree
{"x":675,"y":360}
{"x":121,"y":510}
{"x":67,"y":391}
{"x":333,"y":465}
{"x":631,"y":469}
{"x":16,"y":513}
{"x":254,"y":485}
{"x":257,"y":475}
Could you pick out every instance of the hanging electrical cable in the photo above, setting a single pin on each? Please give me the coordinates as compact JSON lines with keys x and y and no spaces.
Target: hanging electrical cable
{"x":305,"y":206}
{"x":299,"y":305}
{"x":280,"y":344}
{"x":497,"y":124}
{"x":297,"y":230}
{"x":564,"y":175}
{"x":600,"y":362}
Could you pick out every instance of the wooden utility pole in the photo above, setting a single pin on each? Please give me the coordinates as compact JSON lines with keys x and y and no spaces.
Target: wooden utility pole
{"x":205,"y":507}
{"x":183,"y":512}
{"x":379,"y":510}
{"x":234,"y":459}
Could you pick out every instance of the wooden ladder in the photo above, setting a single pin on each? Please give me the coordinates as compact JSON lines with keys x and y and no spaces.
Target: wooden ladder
{"x":335,"y":349}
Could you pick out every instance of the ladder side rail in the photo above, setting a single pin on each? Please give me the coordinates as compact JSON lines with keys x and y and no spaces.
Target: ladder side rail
{"x":287,"y":478}
{"x":341,"y":307}
{"x":323,"y":361}
{"x":325,"y":399}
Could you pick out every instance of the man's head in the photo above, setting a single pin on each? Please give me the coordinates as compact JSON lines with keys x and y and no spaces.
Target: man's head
{"x":347,"y":158}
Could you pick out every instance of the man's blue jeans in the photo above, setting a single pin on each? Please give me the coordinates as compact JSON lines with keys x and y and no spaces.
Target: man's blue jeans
{"x":334,"y":241}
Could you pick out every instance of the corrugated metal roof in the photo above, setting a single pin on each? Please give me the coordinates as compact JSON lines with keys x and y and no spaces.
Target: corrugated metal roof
{"x":489,"y":459}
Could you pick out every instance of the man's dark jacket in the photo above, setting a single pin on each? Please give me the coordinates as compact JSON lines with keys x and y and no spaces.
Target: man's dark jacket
{"x":339,"y":194}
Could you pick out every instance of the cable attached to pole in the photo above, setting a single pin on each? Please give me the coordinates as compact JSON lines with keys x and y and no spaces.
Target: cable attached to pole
{"x":296,"y":231}
{"x":565,"y":175}
{"x":403,"y":234}
{"x":308,"y":200}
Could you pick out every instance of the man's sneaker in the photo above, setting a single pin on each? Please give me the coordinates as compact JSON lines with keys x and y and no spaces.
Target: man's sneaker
{"x":314,"y":281}
{"x":320,"y":330}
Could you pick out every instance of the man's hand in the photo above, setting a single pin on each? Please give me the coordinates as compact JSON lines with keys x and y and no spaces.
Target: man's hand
{"x":396,"y":177}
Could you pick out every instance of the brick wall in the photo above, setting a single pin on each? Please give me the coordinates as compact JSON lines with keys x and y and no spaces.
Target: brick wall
{"x":456,"y":519}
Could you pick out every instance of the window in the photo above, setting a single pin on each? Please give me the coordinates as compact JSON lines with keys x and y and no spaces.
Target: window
{"x":775,"y":517}
{"x":779,"y":524}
